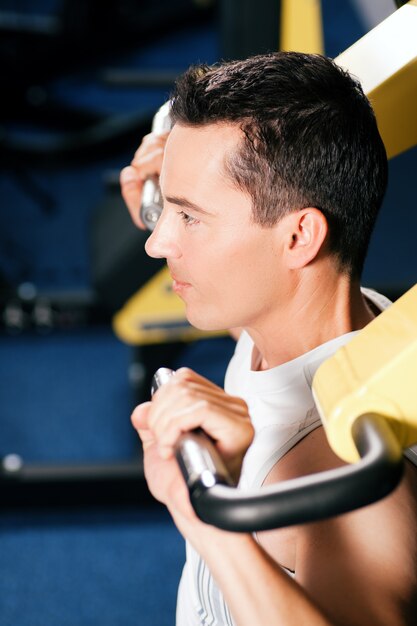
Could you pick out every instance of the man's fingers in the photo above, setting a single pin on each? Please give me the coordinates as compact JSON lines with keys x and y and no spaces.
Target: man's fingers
{"x":153,"y":144}
{"x":187,"y":420}
{"x":187,"y":387}
{"x":219,"y":417}
{"x":131,"y":185}
{"x":139,"y":419}
{"x":140,"y":415}
{"x":149,"y":143}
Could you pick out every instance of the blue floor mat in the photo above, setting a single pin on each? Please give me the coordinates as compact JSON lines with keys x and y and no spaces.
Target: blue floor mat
{"x":66,"y":396}
{"x":109,"y":568}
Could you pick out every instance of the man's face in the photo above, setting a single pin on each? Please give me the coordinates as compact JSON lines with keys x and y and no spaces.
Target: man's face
{"x":224,"y":266}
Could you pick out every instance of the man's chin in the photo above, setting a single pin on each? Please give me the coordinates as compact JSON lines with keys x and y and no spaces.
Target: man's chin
{"x":204,"y":324}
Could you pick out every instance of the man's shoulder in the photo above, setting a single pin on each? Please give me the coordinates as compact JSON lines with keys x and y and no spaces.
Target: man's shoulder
{"x":310,"y":455}
{"x":378,"y":300}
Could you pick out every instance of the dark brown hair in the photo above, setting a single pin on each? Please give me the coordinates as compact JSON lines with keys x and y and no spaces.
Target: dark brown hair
{"x":310,"y":139}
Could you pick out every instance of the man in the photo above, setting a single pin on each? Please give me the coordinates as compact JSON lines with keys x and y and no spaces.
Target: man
{"x":272,"y":179}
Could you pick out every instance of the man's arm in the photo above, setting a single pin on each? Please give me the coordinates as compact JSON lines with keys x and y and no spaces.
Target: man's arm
{"x":357,"y":569}
{"x":253,"y":584}
{"x":256,"y":589}
{"x":360,"y":568}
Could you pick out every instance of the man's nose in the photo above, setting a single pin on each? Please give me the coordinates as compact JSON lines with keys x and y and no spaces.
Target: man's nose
{"x":162,"y":243}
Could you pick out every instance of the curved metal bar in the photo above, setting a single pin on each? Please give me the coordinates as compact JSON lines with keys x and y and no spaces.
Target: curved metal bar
{"x":217,"y":501}
{"x":309,"y":498}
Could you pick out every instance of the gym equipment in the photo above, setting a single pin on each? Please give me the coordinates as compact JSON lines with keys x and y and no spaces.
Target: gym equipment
{"x":365,"y":394}
{"x":248,"y":28}
{"x":119,"y":265}
{"x":151,"y":195}
{"x":74,"y":35}
{"x":197,"y":456}
{"x":71,"y":485}
{"x":373,"y":373}
{"x":301,"y":27}
{"x":385,"y":61}
{"x":156,"y":315}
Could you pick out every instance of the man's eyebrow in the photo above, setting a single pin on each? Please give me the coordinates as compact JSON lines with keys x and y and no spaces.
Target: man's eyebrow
{"x":186,"y":204}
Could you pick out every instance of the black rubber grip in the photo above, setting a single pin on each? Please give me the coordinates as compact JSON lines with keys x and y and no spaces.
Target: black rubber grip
{"x":311,"y":498}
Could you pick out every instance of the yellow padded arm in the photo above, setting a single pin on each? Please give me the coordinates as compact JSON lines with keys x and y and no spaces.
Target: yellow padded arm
{"x":385,"y":62}
{"x":376,"y":372}
{"x":301,"y":26}
{"x":155,"y":314}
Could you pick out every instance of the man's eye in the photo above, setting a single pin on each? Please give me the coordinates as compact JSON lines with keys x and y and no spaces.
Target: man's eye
{"x":187,"y":219}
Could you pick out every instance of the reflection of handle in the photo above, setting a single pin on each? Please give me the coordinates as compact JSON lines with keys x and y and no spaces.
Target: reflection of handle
{"x":151,"y":206}
{"x":197,"y":456}
{"x":305,"y":499}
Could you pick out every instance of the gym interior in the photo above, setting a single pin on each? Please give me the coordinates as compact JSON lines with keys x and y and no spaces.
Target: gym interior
{"x":82,"y":540}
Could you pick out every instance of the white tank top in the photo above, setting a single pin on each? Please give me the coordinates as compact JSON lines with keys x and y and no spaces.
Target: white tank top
{"x":282,"y":411}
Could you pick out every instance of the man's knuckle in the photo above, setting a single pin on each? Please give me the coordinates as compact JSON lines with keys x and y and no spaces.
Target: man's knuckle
{"x":205,"y":404}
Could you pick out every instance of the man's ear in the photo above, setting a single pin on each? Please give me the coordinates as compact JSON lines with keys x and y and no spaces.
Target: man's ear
{"x":306,"y":232}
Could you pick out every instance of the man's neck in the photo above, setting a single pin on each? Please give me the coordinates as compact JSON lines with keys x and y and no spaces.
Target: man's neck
{"x":315,"y":312}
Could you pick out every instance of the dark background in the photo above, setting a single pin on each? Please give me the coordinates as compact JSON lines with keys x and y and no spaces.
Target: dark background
{"x":80,"y":82}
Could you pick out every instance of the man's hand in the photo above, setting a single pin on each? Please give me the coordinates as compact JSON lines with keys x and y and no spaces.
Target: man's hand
{"x":188,"y":401}
{"x":146,"y":162}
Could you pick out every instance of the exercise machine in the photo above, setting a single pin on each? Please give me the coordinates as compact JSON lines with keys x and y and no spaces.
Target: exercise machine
{"x":21,"y":483}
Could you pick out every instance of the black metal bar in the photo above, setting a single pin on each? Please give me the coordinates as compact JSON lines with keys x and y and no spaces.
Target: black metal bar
{"x":105,"y":135}
{"x":217,"y":501}
{"x":313,"y":497}
{"x":129,"y":78}
{"x":72,"y":485}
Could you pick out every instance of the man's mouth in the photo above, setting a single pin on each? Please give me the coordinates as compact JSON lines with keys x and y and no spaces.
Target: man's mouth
{"x":178,"y":285}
